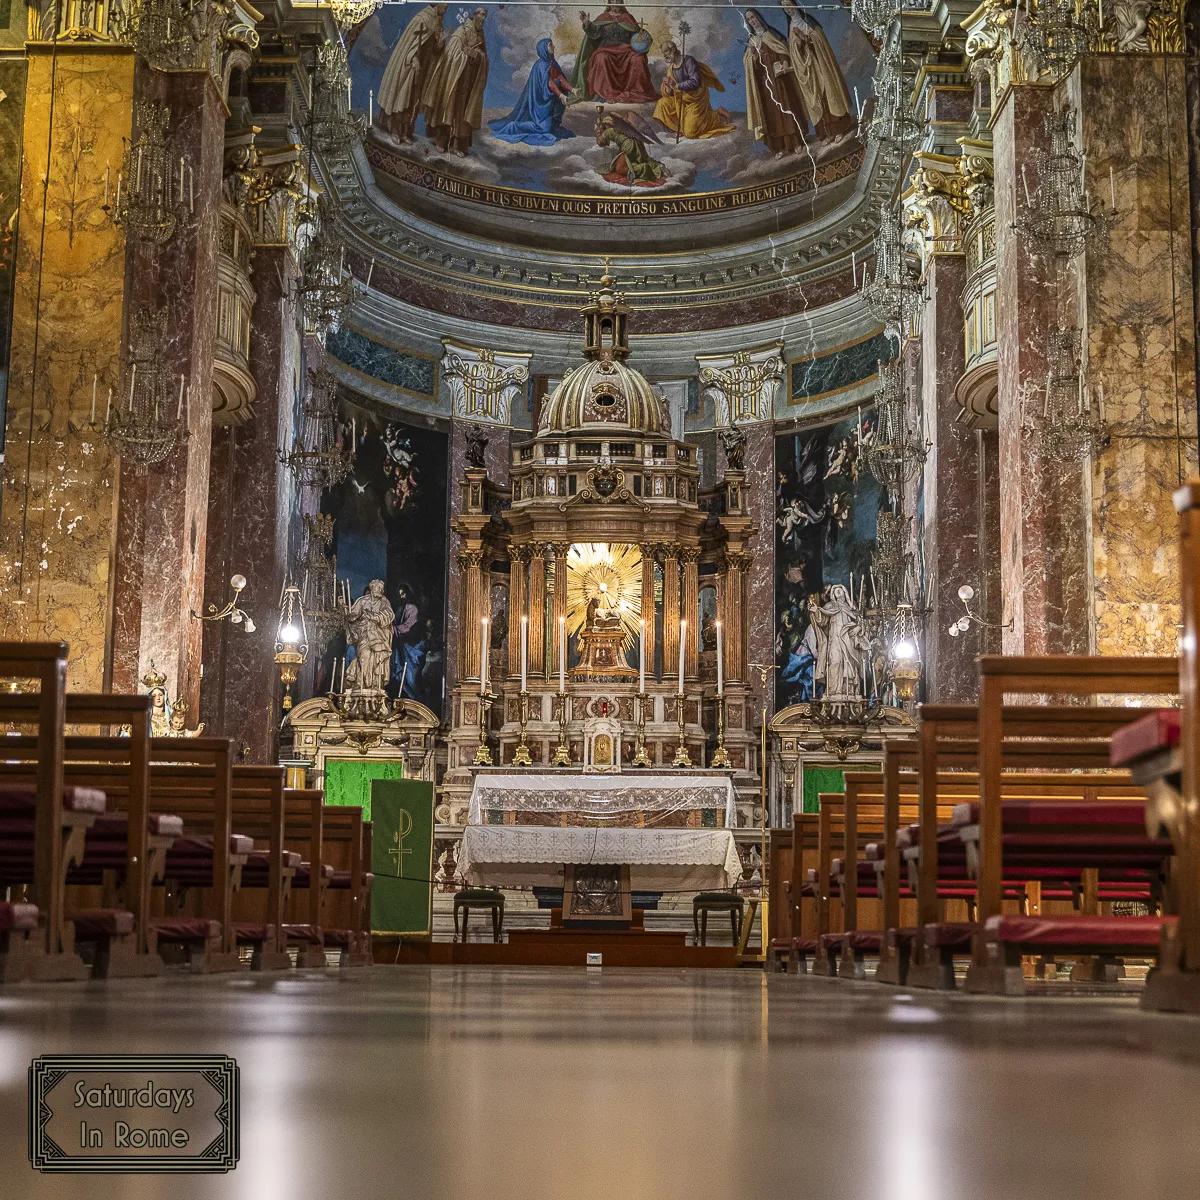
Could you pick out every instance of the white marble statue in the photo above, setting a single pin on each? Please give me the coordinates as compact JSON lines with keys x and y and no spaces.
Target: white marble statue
{"x":842,"y":645}
{"x":369,"y":630}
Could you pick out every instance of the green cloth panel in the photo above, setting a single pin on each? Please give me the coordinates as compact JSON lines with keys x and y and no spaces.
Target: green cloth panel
{"x":348,"y":780}
{"x":402,"y":857}
{"x":818,"y":780}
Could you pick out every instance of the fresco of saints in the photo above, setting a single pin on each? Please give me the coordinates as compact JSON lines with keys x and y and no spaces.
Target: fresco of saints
{"x":608,"y":67}
{"x":685,"y":108}
{"x":818,"y":75}
{"x":408,"y":71}
{"x":633,"y":164}
{"x":775,"y":111}
{"x":537,"y":118}
{"x":453,"y":97}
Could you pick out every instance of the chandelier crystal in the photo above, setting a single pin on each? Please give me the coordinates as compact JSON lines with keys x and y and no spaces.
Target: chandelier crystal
{"x":326,"y":290}
{"x":349,"y":14}
{"x":1054,"y":34}
{"x":148,"y":419}
{"x":873,"y":15}
{"x":894,"y":453}
{"x":1070,"y":427}
{"x":895,"y":294}
{"x":320,"y":457}
{"x":335,"y":129}
{"x":895,"y":127}
{"x":154,"y":192}
{"x":318,"y":588}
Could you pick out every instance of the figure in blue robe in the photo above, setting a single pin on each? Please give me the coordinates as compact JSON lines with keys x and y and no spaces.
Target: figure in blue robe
{"x":537,"y":118}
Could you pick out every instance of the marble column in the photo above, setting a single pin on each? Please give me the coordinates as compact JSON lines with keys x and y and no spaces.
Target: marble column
{"x":1136,"y":302}
{"x":670,"y":663}
{"x":557,"y":629}
{"x":517,"y":558}
{"x":648,"y":551}
{"x":163,"y":514}
{"x":248,"y":516}
{"x":537,"y":609}
{"x":759,"y":576}
{"x":1043,"y":513}
{"x":950,"y":487}
{"x":690,"y":558}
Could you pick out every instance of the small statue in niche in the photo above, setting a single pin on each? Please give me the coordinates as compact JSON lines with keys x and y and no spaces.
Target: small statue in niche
{"x":734,"y":441}
{"x":477,"y":444}
{"x":160,"y":713}
{"x":179,"y":727}
{"x":708,"y":632}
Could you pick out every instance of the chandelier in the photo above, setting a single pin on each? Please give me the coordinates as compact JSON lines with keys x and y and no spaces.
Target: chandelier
{"x":319,"y":591}
{"x":149,"y":417}
{"x":335,"y":129}
{"x":1055,"y":34}
{"x":1059,"y":215}
{"x":152,"y":189}
{"x":349,"y":14}
{"x":326,"y":290}
{"x":894,"y":453}
{"x":895,"y":294}
{"x":319,"y":457}
{"x":891,"y":563}
{"x":174,"y":35}
{"x":873,"y":15}
{"x":894,"y":127}
{"x":1070,"y":427}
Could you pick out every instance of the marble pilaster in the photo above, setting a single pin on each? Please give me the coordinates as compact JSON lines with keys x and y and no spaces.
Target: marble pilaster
{"x":517,"y":558}
{"x":759,"y":573}
{"x":648,"y":552}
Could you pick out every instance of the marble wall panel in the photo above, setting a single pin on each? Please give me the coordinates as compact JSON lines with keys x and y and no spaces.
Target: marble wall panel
{"x":415,"y":373}
{"x":57,"y":518}
{"x":833,"y":372}
{"x":760,"y":578}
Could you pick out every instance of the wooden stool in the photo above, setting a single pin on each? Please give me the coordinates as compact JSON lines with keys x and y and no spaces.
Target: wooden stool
{"x":707,"y":902}
{"x":470,"y":898}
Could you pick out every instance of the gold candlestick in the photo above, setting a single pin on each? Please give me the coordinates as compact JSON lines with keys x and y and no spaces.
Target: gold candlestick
{"x":721,"y":758}
{"x":562,"y":755}
{"x":681,"y":755}
{"x":483,"y":756}
{"x":521,"y":754}
{"x":641,"y":758}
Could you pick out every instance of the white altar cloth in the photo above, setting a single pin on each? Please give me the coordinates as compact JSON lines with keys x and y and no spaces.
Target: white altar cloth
{"x":601,"y":797}
{"x":659,"y":860}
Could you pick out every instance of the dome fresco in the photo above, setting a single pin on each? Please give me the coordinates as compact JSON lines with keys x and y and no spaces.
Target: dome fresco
{"x":617,"y":112}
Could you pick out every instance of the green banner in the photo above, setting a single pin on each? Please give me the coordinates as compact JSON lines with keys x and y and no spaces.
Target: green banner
{"x":818,"y":780}
{"x":348,"y":780}
{"x":402,"y":857}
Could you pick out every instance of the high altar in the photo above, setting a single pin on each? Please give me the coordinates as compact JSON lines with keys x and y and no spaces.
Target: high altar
{"x":601,"y":596}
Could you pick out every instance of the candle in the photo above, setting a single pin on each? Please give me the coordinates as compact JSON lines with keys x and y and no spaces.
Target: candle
{"x":191,"y":190}
{"x":132,"y":381}
{"x":95,"y":381}
{"x":349,"y":98}
{"x":483,"y":654}
{"x":107,"y":176}
{"x":370,"y":272}
{"x":181,"y":170}
{"x":720,"y":660}
{"x":403,"y":677}
{"x":857,"y":103}
{"x":854,"y":268}
{"x":524,"y":654}
{"x":179,"y":406}
{"x":371,"y":107}
{"x":108,"y":410}
{"x":1112,"y":188}
{"x":642,"y":656}
{"x":562,"y":654}
{"x":118,"y":205}
{"x":304,"y":589}
{"x":342,"y":681}
{"x":1100,"y":5}
{"x":682,"y":642}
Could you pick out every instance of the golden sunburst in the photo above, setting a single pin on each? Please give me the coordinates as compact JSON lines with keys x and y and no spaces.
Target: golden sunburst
{"x":610,"y":574}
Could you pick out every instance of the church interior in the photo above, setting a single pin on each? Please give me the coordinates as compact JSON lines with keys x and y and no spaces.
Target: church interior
{"x":650,"y":554}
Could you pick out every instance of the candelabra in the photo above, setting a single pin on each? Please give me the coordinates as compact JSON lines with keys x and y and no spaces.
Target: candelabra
{"x":721,"y":757}
{"x":483,"y":756}
{"x":1059,"y":216}
{"x":318,"y":590}
{"x":682,"y":759}
{"x":179,"y":35}
{"x":640,"y":757}
{"x":895,"y":294}
{"x":521,"y":756}
{"x":562,"y":754}
{"x":326,"y":290}
{"x":895,"y":127}
{"x":873,"y":15}
{"x":1070,"y":426}
{"x":319,"y":457}
{"x":1054,"y":34}
{"x":148,"y":418}
{"x":335,"y":129}
{"x":894,"y":453}
{"x":236,"y":614}
{"x":153,"y":192}
{"x":891,"y":562}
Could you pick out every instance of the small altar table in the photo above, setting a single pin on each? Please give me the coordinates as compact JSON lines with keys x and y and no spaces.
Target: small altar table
{"x":659,"y":860}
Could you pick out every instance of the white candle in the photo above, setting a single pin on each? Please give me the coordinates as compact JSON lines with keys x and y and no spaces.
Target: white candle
{"x":682,"y":643}
{"x":95,"y":382}
{"x":403,"y":677}
{"x":642,"y":657}
{"x":720,"y":660}
{"x":483,"y":654}
{"x":1112,"y":188}
{"x":562,"y":654}
{"x":371,"y":107}
{"x":524,"y":654}
{"x":179,"y":406}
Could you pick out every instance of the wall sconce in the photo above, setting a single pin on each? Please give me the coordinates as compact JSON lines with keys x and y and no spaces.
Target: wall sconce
{"x":966,"y":594}
{"x":238,"y":616}
{"x":291,"y":640}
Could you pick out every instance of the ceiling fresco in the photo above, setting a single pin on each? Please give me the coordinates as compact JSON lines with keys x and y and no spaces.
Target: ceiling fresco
{"x":613,"y":112}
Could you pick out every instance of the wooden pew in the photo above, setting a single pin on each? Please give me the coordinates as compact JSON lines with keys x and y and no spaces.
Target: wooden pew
{"x":805,"y":837}
{"x":305,"y":918}
{"x":779,"y":947}
{"x":348,"y":908}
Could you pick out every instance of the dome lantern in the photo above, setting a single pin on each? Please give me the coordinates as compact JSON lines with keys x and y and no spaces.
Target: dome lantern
{"x":605,"y":321}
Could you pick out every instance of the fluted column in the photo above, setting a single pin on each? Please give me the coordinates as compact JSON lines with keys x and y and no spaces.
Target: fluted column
{"x":670,"y":611}
{"x":469,"y":562}
{"x":734,"y":618}
{"x":517,"y":557}
{"x":648,"y":550}
{"x":537,"y":608}
{"x":561,"y":550}
{"x":690,"y":557}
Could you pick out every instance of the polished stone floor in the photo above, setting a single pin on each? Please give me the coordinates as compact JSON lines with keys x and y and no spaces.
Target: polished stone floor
{"x":563,"y":1084}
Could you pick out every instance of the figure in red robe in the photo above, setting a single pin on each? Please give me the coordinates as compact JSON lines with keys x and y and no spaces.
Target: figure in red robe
{"x":608,"y":67}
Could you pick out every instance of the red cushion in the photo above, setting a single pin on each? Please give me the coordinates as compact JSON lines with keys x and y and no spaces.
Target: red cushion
{"x":955,"y":935}
{"x":21,"y":917}
{"x":20,"y":797}
{"x":804,"y":945}
{"x":253,"y":931}
{"x":338,"y":937}
{"x":864,"y":939}
{"x":303,"y":933}
{"x":1155,"y":731}
{"x":1074,"y":813}
{"x":186,"y":929}
{"x":831,"y":941}
{"x":1076,"y":930}
{"x":102,"y":922}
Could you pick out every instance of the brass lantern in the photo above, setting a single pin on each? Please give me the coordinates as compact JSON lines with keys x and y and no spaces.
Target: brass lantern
{"x":291,"y":640}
